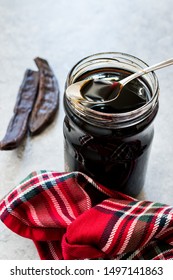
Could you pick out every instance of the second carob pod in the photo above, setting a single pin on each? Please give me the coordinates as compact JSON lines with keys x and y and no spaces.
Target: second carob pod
{"x":47,"y":101}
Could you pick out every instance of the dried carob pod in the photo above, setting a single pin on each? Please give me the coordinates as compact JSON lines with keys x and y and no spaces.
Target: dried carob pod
{"x":18,"y":124}
{"x":47,"y":101}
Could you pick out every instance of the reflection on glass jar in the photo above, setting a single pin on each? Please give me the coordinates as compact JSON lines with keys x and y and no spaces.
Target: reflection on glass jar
{"x":111,"y":143}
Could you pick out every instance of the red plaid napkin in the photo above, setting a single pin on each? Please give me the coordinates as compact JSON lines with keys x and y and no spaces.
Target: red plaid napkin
{"x":69,"y":216}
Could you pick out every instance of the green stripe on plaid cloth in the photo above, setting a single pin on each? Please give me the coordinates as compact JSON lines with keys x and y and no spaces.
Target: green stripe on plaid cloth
{"x":69,"y":216}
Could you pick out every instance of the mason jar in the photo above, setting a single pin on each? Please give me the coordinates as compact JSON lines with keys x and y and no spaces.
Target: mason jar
{"x":110,"y":146}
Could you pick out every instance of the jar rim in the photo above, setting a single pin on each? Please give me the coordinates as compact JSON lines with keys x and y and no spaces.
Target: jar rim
{"x":114,"y":119}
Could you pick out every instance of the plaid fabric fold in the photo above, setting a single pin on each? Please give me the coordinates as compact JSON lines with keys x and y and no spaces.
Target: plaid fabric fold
{"x":69,"y":216}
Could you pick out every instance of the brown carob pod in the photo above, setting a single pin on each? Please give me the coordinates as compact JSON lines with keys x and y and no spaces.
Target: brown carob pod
{"x":18,"y":124}
{"x":47,"y":101}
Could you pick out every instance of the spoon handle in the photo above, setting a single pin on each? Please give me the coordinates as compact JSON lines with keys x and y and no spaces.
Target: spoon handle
{"x":146,"y":70}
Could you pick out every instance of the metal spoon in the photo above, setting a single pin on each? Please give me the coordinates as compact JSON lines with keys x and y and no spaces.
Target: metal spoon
{"x":73,"y":92}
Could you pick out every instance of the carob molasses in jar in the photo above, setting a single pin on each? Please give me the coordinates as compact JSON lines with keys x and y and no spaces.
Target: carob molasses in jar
{"x":111,"y":142}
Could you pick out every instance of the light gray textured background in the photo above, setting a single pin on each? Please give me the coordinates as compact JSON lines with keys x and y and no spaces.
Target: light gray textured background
{"x":65,"y":31}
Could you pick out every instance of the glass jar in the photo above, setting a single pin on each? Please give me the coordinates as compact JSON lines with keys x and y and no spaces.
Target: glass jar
{"x":112,"y":148}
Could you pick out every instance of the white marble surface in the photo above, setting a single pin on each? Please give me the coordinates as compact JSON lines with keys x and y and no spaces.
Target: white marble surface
{"x":64,"y":31}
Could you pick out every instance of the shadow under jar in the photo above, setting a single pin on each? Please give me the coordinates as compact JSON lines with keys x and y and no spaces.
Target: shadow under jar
{"x":111,"y":142}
